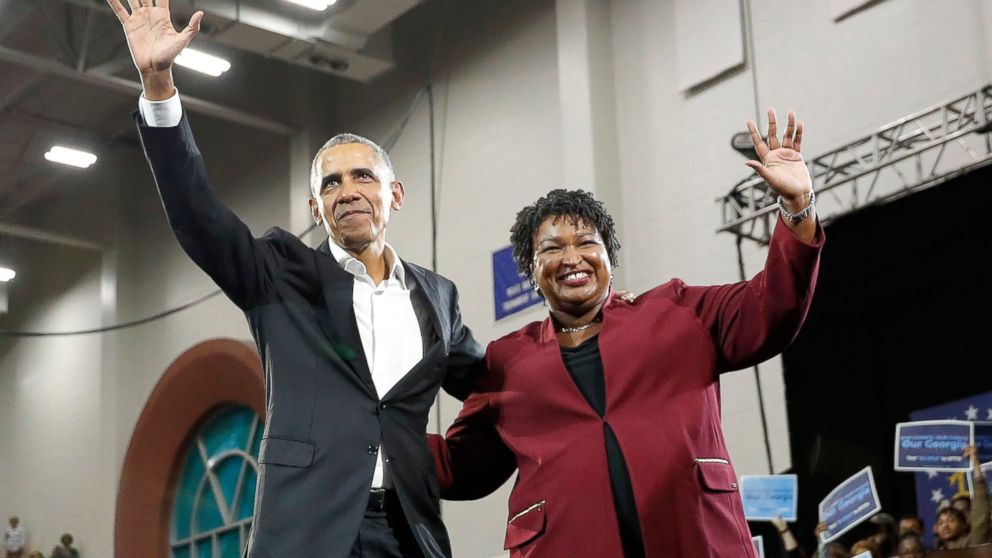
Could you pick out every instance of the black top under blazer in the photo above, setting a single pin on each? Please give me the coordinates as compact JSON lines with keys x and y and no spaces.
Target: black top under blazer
{"x":324,"y":423}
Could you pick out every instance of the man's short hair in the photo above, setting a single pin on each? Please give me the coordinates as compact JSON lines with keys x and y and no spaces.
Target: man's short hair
{"x":953,"y":511}
{"x":342,"y":139}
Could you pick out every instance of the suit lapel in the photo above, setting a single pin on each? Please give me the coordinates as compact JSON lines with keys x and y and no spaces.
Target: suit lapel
{"x":338,"y":321}
{"x":426,"y":291}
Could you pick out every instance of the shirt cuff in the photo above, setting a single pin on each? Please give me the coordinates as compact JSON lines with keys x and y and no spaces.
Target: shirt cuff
{"x":161,"y":114}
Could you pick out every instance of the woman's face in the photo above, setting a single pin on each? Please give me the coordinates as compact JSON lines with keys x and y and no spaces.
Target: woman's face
{"x":571,"y":265}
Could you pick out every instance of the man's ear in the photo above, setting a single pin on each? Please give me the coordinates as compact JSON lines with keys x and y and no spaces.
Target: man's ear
{"x":399,"y":193}
{"x":315,"y":210}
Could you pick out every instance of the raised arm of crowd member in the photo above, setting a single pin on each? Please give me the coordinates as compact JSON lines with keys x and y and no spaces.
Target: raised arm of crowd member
{"x":789,"y":543}
{"x":981,"y":530}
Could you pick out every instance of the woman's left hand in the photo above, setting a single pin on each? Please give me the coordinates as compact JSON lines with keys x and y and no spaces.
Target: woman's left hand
{"x":782,"y":164}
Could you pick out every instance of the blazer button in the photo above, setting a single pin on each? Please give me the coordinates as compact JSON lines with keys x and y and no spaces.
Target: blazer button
{"x":373,"y":450}
{"x":382,"y":405}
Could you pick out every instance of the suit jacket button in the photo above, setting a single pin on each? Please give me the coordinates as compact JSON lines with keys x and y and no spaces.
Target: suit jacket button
{"x":373,"y":450}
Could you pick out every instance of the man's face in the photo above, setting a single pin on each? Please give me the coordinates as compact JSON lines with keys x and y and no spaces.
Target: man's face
{"x":356,"y":195}
{"x":14,"y":521}
{"x":910,"y":547}
{"x":949,"y":527}
{"x":910,"y":525}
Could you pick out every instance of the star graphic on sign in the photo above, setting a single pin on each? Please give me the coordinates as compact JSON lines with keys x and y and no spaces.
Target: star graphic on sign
{"x":936,"y":495}
{"x":931,"y":474}
{"x":972,"y":412}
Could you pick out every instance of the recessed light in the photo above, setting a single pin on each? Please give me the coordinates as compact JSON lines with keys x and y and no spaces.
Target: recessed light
{"x":67,"y":156}
{"x":202,"y":62}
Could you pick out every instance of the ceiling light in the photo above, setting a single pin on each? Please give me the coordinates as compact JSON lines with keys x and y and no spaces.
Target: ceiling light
{"x":202,"y":62}
{"x":6,"y":274}
{"x":66,"y":156}
{"x":319,"y":5}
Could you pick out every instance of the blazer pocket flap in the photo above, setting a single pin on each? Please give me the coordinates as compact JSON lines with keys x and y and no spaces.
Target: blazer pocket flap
{"x":716,"y":476}
{"x":291,"y":453}
{"x":525,"y":526}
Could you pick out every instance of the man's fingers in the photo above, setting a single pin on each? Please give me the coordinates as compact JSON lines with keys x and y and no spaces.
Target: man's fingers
{"x":772,"y":130}
{"x":192,"y":28}
{"x":134,"y":5}
{"x":799,"y":136}
{"x":119,"y":9}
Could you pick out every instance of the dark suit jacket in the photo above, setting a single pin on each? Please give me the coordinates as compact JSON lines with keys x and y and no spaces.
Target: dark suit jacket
{"x":324,"y":423}
{"x":661,"y":358}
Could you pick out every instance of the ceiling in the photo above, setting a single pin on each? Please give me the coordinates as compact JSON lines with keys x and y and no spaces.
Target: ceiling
{"x":66,"y":75}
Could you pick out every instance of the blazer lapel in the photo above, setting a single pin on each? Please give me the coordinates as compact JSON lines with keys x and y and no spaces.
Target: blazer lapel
{"x":338,"y":321}
{"x":427,"y":291}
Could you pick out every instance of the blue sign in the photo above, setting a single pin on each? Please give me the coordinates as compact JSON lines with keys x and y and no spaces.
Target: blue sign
{"x":767,"y":497}
{"x":511,"y":289}
{"x":854,"y":501}
{"x":983,"y":441}
{"x":933,"y":445}
{"x":935,"y":489}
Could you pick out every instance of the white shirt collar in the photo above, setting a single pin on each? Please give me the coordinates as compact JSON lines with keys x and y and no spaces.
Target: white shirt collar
{"x":353,"y":265}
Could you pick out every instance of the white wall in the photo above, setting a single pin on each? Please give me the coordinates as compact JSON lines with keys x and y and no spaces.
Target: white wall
{"x":529,"y":96}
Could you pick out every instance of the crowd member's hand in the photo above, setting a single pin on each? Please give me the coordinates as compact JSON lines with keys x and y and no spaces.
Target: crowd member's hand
{"x":971,"y":452}
{"x":820,"y":528}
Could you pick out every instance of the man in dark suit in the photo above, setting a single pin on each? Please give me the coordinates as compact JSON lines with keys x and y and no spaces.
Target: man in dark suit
{"x":354,"y":341}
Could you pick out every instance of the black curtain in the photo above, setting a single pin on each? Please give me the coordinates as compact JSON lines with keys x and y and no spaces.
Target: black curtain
{"x":898,"y":323}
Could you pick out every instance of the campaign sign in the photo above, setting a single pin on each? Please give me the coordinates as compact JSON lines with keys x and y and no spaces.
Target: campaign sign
{"x":983,"y":441}
{"x":852,"y":502}
{"x":759,"y":546}
{"x":511,"y":289}
{"x":933,"y":445}
{"x":769,"y":496}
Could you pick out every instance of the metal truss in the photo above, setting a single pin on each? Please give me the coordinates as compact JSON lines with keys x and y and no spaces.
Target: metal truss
{"x":916,"y":152}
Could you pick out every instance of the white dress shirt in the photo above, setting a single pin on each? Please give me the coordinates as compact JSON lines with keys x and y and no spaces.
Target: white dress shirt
{"x":387,"y":324}
{"x":14,"y":538}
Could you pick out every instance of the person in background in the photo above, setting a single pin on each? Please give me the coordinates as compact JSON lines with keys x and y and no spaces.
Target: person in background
{"x":14,"y":538}
{"x":886,"y":536}
{"x":910,"y":524}
{"x":962,"y":502}
{"x":65,"y":550}
{"x":910,"y":546}
{"x":866,"y":545}
{"x":954,"y":529}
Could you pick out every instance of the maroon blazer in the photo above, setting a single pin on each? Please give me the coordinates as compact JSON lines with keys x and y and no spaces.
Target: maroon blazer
{"x":661,"y":358}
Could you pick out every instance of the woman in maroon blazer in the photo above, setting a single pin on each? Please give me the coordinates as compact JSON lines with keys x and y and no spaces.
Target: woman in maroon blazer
{"x":610,"y":408}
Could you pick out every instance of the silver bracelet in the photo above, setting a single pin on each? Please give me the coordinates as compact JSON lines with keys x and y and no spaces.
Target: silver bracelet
{"x":802,"y":215}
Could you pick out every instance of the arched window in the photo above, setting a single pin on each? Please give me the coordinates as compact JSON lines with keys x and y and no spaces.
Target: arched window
{"x":215,"y":494}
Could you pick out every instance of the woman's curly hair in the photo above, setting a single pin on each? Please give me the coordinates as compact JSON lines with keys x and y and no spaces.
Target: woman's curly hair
{"x":577,"y":205}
